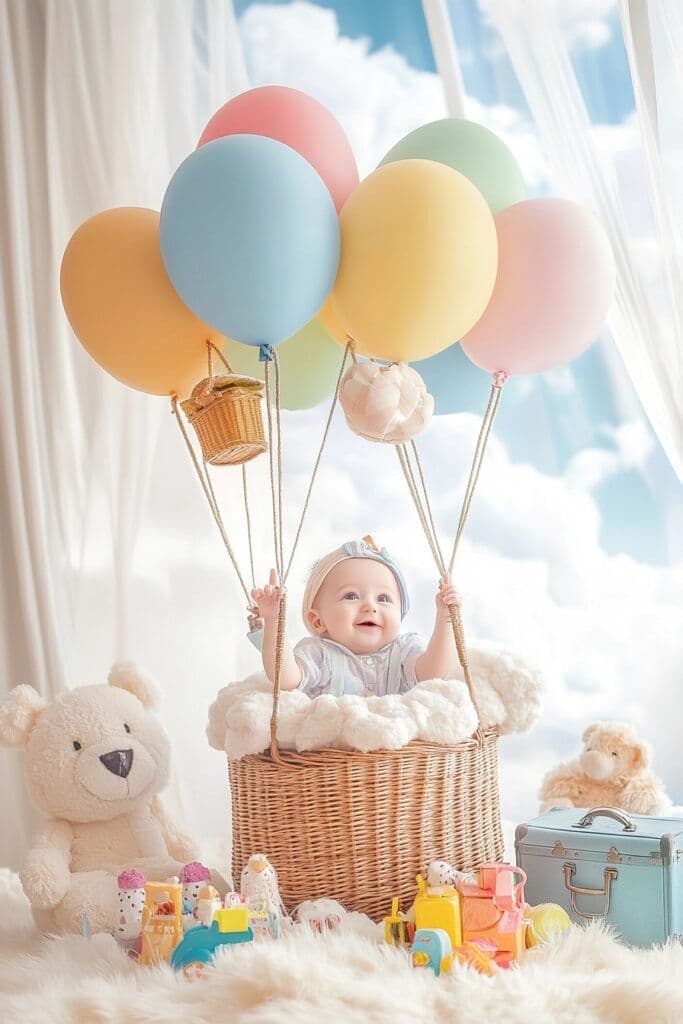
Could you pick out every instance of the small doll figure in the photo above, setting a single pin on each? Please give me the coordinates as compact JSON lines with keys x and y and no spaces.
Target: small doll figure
{"x":353,"y":605}
{"x":131,"y":901}
{"x":194,"y":876}
{"x":208,"y":902}
{"x":258,"y":885}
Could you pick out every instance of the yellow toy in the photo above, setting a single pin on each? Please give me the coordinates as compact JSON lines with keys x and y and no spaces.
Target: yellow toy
{"x":440,"y":910}
{"x":398,"y":930}
{"x":543,"y":922}
{"x":162,"y":921}
{"x":232,"y":919}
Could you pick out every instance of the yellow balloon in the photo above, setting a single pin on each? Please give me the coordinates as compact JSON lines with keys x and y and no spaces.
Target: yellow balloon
{"x":418,"y":261}
{"x":123,"y":308}
{"x":329,"y":318}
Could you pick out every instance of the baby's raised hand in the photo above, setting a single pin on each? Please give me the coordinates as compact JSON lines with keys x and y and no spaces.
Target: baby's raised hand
{"x":447,"y":597}
{"x":267,"y":598}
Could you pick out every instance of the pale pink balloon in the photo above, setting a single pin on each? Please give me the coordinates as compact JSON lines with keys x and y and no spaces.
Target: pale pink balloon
{"x":553,"y":289}
{"x":297,"y":120}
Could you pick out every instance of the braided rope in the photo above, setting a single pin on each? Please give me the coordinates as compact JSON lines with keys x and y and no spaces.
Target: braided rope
{"x":425,"y":514}
{"x":207,"y":487}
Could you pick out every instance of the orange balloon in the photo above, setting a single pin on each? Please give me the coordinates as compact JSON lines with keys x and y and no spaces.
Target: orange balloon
{"x":329,"y":318}
{"x":123,"y":308}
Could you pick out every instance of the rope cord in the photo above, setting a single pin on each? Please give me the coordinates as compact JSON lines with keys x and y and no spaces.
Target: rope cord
{"x":207,"y":487}
{"x":272,"y":470}
{"x":424,"y":510}
{"x":247,"y":512}
{"x":316,"y":465}
{"x":475,"y":469}
{"x":279,"y":648}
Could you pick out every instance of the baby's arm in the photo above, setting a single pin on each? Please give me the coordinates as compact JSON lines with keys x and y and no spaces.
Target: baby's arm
{"x":439,"y":660}
{"x":268,"y":600}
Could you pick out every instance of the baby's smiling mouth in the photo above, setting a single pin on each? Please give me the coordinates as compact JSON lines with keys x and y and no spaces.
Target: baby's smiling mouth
{"x":368,"y":622}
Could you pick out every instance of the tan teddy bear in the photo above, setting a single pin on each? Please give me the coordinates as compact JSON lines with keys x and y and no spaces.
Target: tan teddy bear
{"x":612,"y":770}
{"x":95,"y":760}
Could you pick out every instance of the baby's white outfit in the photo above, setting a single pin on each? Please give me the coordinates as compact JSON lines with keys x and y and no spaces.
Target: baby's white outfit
{"x":328,"y":667}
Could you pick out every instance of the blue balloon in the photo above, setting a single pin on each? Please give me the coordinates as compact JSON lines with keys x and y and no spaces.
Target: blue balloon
{"x":250,"y":238}
{"x":457,"y":385}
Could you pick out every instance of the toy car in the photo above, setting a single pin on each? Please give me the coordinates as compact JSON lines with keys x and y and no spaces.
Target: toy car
{"x":197,"y":949}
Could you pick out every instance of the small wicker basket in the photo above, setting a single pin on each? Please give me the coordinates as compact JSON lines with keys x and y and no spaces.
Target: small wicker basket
{"x":225,"y":411}
{"x":359,"y":827}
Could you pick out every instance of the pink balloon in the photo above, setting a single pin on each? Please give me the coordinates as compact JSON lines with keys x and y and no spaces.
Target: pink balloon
{"x":553,"y":289}
{"x":299,"y":121}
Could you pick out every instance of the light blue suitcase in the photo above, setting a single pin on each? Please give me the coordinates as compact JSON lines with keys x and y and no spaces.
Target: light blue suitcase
{"x":625,"y":869}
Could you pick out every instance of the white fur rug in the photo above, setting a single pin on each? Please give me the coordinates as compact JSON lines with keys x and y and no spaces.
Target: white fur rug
{"x":346,"y":978}
{"x":507,"y":690}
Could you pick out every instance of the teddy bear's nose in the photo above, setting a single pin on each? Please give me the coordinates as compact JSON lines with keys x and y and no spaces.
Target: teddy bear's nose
{"x":118,"y":762}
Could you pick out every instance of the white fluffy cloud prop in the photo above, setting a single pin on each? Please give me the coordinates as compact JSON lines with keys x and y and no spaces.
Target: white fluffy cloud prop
{"x":440,"y":711}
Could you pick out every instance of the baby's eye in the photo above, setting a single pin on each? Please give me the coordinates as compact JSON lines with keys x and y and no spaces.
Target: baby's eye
{"x":384,"y":597}
{"x":351,"y":596}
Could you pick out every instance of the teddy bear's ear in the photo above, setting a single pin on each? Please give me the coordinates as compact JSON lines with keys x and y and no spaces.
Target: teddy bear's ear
{"x":127,"y":676}
{"x":18,"y":714}
{"x":589,"y":733}
{"x":642,"y":755}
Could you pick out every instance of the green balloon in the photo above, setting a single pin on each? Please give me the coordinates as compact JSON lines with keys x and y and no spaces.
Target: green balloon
{"x":471,"y":149}
{"x":309,"y":365}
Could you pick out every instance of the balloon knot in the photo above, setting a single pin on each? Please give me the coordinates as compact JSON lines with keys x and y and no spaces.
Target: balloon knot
{"x":499,"y":378}
{"x":265,"y":353}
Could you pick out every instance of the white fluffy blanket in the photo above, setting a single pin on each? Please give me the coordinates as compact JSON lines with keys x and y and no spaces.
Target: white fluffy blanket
{"x":440,"y":711}
{"x":347,"y":977}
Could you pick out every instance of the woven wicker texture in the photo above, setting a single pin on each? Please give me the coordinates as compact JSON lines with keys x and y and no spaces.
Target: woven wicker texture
{"x":359,"y":827}
{"x":230,"y":429}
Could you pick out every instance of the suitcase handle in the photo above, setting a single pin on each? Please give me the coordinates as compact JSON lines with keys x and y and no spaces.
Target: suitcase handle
{"x":610,"y":875}
{"x":607,"y":812}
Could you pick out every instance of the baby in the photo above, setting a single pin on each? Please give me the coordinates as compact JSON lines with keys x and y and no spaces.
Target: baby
{"x":353,"y":605}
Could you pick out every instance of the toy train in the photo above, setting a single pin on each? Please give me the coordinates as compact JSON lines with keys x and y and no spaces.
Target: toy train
{"x":484,"y":923}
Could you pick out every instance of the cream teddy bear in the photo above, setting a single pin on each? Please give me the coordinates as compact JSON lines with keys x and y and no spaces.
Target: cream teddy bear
{"x":612,"y":770}
{"x":95,"y":760}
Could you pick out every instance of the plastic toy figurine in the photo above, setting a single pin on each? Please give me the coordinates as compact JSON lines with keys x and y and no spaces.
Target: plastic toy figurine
{"x":131,"y":902}
{"x":398,"y":930}
{"x":162,"y":921}
{"x":194,"y":876}
{"x":198,"y":948}
{"x":438,"y":910}
{"x":432,"y":948}
{"x":258,"y":882}
{"x":208,"y":902}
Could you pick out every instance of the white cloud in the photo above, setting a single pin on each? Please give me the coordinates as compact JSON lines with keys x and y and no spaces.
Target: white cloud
{"x":634,"y":443}
{"x":377,"y":97}
{"x":584,"y":23}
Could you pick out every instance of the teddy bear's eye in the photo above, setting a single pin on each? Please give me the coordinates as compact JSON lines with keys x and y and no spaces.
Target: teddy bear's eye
{"x":614,"y":753}
{"x":77,"y":745}
{"x":126,"y":726}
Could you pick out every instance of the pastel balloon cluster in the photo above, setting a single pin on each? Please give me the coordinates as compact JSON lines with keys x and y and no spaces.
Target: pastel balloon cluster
{"x":266,"y":238}
{"x":385,"y":403}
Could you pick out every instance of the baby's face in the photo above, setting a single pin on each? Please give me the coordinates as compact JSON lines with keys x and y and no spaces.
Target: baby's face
{"x":358,"y":606}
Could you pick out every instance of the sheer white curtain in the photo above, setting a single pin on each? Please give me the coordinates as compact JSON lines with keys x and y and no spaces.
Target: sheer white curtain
{"x":644,"y":319}
{"x":99,"y":102}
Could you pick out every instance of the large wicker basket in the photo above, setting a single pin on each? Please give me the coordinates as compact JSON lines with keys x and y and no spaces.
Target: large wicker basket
{"x":359,"y":827}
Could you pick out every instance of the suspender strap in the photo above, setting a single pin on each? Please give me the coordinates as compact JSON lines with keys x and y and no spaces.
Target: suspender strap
{"x":394,"y":670}
{"x":337,"y":667}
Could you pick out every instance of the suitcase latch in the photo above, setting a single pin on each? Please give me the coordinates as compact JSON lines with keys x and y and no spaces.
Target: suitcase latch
{"x":558,"y":850}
